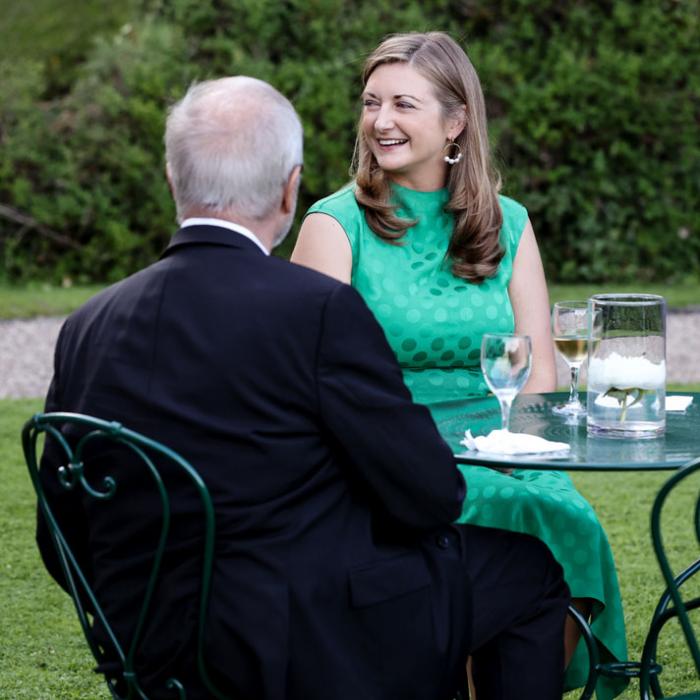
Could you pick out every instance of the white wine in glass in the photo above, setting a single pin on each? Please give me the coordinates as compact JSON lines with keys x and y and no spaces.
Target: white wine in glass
{"x":570,"y":331}
{"x":506,"y":361}
{"x":573,"y":349}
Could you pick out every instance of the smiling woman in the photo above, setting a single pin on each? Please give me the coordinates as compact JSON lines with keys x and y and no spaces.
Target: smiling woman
{"x":442,"y":259}
{"x":406,"y":132}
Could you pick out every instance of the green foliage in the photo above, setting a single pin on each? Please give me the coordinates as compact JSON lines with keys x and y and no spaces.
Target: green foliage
{"x":89,"y":166}
{"x":594,"y":107}
{"x":55,"y":33}
{"x":601,"y":133}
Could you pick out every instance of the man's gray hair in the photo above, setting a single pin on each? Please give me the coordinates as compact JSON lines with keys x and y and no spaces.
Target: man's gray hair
{"x":231,"y":145}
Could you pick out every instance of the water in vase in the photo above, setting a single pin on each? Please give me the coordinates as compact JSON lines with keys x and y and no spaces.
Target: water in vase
{"x":626,"y":397}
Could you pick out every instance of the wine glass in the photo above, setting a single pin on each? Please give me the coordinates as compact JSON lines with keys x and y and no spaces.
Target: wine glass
{"x":505,"y":362}
{"x":570,"y":331}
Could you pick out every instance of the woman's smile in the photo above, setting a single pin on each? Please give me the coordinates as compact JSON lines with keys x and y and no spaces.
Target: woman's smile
{"x":390,"y":143}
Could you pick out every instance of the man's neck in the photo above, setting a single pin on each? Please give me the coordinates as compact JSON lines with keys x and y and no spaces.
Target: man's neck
{"x":226,"y":223}
{"x":265,"y":230}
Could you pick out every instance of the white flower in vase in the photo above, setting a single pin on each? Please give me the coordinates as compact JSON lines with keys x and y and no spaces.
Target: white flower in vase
{"x":621,"y":378}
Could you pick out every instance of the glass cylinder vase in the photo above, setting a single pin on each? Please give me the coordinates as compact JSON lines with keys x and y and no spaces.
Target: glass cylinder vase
{"x":627,"y":365}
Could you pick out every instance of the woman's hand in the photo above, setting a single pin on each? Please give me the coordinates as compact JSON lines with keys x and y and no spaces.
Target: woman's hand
{"x":503,"y":470}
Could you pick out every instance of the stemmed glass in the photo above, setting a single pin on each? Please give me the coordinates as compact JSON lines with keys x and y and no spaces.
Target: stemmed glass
{"x":570,"y":331}
{"x":505,"y":362}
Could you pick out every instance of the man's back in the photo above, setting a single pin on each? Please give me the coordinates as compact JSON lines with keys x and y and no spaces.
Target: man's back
{"x":337,"y":573}
{"x":279,"y":388}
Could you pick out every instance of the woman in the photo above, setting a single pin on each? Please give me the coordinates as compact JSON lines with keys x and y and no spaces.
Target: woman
{"x":441,"y":258}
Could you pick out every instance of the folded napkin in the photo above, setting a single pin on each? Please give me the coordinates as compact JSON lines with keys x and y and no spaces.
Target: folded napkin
{"x":678,"y":403}
{"x":503,"y":442}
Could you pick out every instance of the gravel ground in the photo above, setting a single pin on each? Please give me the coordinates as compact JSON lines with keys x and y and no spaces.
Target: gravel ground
{"x":26,"y":353}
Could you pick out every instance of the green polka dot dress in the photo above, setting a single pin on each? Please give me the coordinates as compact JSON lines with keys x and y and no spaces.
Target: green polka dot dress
{"x":434,"y":322}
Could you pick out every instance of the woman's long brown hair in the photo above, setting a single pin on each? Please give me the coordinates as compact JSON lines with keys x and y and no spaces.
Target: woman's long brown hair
{"x":473,"y":183}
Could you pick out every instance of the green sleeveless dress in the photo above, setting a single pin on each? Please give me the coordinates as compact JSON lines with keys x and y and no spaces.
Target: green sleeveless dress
{"x":434,"y":322}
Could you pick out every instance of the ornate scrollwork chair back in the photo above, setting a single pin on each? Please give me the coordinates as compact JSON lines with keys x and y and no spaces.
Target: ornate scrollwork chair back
{"x":74,"y":435}
{"x":673,"y":604}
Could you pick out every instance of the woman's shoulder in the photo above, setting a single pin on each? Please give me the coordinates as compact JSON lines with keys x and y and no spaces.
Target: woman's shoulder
{"x":512,"y":210}
{"x":514,"y":219}
{"x":340,"y":202}
{"x":343,"y":207}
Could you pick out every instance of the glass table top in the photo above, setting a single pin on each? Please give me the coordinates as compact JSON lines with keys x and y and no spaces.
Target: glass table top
{"x":532,"y":413}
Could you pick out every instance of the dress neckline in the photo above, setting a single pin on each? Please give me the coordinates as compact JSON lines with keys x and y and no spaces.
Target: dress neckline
{"x":441,"y":193}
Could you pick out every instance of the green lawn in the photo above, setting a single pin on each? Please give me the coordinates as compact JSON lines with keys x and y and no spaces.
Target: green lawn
{"x":42,"y":300}
{"x":47,"y":300}
{"x":677,"y":296}
{"x":43,"y":656}
{"x":623,"y":504}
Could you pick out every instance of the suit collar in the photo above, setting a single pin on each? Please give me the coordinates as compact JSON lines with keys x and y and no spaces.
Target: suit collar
{"x":227,"y":224}
{"x":211,"y":235}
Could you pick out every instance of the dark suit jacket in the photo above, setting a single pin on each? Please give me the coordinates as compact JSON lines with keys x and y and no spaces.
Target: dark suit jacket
{"x":333,"y":491}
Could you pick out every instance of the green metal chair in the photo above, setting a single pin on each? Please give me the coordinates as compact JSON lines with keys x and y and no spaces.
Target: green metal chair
{"x":672,"y":604}
{"x":75,"y":475}
{"x":594,"y":665}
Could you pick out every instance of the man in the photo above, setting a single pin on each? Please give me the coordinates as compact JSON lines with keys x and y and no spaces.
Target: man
{"x":337,"y":572}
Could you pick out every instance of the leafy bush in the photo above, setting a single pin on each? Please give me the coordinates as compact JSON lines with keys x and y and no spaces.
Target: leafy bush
{"x":89,"y":165}
{"x":599,"y":127}
{"x":594,"y":108}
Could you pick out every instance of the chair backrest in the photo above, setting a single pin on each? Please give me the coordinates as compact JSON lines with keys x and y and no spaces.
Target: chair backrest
{"x":672,"y":604}
{"x":74,"y":434}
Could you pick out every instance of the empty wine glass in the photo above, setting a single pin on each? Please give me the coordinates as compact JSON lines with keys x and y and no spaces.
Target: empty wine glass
{"x":570,"y":331}
{"x":505,"y":362}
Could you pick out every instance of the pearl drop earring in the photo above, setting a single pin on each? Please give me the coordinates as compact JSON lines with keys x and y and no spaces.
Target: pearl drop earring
{"x":452,"y":145}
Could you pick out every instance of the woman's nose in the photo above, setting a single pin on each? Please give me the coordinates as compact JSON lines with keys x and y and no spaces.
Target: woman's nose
{"x":385,"y":119}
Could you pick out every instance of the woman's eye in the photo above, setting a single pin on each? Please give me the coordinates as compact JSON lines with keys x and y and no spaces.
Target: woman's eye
{"x":369,"y":103}
{"x":404,"y":105}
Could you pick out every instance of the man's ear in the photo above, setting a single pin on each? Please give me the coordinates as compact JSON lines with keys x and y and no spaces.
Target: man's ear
{"x":291,"y":189}
{"x":169,"y":178}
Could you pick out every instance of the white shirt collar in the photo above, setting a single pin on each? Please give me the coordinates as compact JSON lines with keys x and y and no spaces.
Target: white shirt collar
{"x":223,"y":223}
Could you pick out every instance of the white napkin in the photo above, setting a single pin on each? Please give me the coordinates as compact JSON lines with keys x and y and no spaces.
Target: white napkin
{"x":503,"y":442}
{"x":678,"y":403}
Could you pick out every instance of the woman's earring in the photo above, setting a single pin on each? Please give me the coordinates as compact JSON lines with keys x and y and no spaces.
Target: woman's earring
{"x":456,"y":156}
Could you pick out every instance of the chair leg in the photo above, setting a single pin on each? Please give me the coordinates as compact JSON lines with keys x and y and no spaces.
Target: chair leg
{"x":592,"y":646}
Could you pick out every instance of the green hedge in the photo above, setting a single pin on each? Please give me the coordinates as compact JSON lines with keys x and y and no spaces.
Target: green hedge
{"x":594,"y":107}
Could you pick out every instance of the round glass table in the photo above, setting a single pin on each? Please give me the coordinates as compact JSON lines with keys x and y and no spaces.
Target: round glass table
{"x":678,"y":449}
{"x":532,"y":413}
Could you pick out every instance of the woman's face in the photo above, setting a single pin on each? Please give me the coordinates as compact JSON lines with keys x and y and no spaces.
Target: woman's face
{"x":404,"y":128}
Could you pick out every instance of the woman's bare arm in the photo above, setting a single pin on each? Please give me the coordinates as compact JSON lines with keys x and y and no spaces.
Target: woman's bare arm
{"x":530,"y":300}
{"x":323,"y":245}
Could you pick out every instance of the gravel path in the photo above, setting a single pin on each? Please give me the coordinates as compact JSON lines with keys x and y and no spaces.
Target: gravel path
{"x":26,"y":353}
{"x":26,"y":356}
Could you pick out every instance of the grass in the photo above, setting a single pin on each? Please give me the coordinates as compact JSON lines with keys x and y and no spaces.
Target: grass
{"x":683,"y":387}
{"x":43,"y":655}
{"x":677,"y":296}
{"x":37,"y":299}
{"x":623,"y":503}
{"x":42,"y":299}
